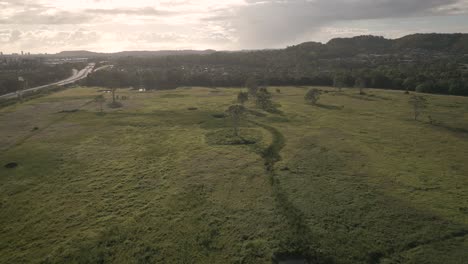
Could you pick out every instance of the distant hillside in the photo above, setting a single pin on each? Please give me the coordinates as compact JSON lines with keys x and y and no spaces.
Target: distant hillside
{"x":84,"y":53}
{"x":339,"y":47}
{"x":78,"y":53}
{"x":457,"y":43}
{"x":163,"y":53}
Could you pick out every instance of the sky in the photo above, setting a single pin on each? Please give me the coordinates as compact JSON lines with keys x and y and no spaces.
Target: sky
{"x":50,"y":26}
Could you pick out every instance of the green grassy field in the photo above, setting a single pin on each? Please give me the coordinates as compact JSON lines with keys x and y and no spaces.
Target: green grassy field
{"x":352,"y":180}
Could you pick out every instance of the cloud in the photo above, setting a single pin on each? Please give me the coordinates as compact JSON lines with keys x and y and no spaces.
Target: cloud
{"x":145,"y":11}
{"x":200,"y":24}
{"x":280,"y":22}
{"x":50,"y":40}
{"x":52,"y":18}
{"x":32,"y":13}
{"x":458,"y":8}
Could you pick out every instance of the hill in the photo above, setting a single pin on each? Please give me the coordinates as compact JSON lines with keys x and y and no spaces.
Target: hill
{"x":457,"y":43}
{"x":337,"y":47}
{"x":84,"y":53}
{"x":343,"y":47}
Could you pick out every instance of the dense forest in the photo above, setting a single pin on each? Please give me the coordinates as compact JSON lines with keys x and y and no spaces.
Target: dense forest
{"x":431,"y":63}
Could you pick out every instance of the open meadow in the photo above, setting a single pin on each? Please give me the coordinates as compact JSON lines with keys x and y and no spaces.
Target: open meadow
{"x":353,"y":179}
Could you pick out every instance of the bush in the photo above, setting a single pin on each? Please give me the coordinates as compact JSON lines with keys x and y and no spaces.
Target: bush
{"x":263,"y":100}
{"x":312,"y":96}
{"x":115,"y":105}
{"x":227,"y":137}
{"x":242,"y":97}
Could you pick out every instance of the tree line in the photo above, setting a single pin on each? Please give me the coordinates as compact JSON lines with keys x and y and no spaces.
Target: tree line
{"x":439,"y":75}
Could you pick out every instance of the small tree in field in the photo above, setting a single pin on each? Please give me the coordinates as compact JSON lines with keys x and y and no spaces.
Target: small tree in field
{"x":419,"y":103}
{"x":361,"y":84}
{"x":252,"y":86}
{"x":312,"y":96}
{"x":242,"y":97}
{"x":114,"y":103}
{"x":100,"y":100}
{"x":339,"y":81}
{"x":113,"y":90}
{"x":263,"y":100}
{"x":236,"y":112}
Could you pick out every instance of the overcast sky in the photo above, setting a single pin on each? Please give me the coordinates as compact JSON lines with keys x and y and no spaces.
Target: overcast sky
{"x":115,"y":25}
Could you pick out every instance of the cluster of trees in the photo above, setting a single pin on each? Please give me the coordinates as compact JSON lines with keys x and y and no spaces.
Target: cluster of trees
{"x":374,"y":62}
{"x":259,"y":95}
{"x":441,"y":76}
{"x":446,"y":79}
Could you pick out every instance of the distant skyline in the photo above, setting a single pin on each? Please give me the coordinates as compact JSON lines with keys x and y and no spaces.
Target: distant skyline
{"x":51,"y":26}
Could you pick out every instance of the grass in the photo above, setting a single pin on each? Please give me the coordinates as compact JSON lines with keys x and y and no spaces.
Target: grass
{"x":351,"y":180}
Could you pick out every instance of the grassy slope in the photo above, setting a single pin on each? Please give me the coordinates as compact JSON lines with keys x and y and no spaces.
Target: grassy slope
{"x":358,"y":181}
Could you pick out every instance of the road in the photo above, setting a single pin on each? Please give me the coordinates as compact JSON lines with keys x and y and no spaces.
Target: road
{"x":103,"y":67}
{"x":77,"y":75}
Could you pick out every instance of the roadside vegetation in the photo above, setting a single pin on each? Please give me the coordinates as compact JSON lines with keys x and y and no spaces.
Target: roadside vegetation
{"x":33,"y":72}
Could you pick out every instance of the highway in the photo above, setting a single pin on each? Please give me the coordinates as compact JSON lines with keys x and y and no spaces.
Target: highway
{"x":77,"y":75}
{"x":103,"y":67}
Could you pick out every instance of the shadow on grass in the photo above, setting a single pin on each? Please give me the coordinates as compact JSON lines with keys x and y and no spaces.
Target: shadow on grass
{"x":393,"y":228}
{"x":450,"y":128}
{"x":226,"y":137}
{"x":367,"y":97}
{"x":299,"y":245}
{"x":330,"y":107}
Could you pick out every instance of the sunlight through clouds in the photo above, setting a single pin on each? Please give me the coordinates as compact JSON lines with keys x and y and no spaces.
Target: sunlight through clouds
{"x":205,"y":24}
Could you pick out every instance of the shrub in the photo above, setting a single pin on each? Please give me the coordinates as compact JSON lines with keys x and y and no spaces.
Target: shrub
{"x":242,"y":97}
{"x":418,"y":103}
{"x":263,"y":100}
{"x":312,"y":96}
{"x":235,"y":112}
{"x":252,"y":86}
{"x":115,"y":105}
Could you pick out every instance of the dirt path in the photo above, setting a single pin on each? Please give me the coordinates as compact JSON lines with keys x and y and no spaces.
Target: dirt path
{"x":298,"y":246}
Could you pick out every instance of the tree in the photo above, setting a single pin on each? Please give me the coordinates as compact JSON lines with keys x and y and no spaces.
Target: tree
{"x":100,"y":100}
{"x":457,"y":87}
{"x":113,"y":90}
{"x":114,"y":103}
{"x":263,"y":100}
{"x":242,"y":97}
{"x":418,"y":103}
{"x":252,"y":86}
{"x":312,"y":96}
{"x":360,"y":83}
{"x":425,"y":87}
{"x":339,"y":81}
{"x":236,"y":112}
{"x":409,"y":84}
